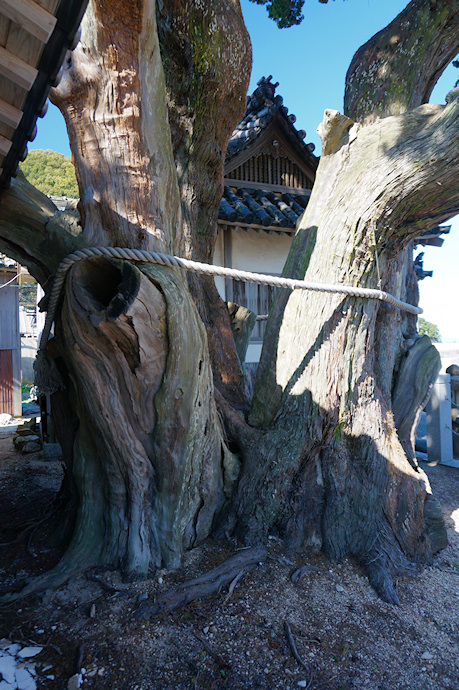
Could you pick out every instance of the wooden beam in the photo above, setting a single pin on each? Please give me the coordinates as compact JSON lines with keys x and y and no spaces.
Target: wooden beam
{"x":33,"y":18}
{"x":5,"y":145}
{"x":9,"y":115}
{"x":16,"y":70}
{"x":269,"y":187}
{"x":238,"y":225}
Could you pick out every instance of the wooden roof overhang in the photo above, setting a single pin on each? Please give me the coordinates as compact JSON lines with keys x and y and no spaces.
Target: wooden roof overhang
{"x":253,"y":227}
{"x":34,"y":38}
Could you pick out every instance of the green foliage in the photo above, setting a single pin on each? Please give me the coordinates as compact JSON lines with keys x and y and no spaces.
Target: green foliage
{"x":52,"y":173}
{"x":285,"y":12}
{"x":430,"y":329}
{"x":28,"y":295}
{"x":26,"y":385}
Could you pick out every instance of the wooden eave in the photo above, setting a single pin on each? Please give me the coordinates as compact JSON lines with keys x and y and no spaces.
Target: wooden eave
{"x":260,"y":229}
{"x":34,"y":38}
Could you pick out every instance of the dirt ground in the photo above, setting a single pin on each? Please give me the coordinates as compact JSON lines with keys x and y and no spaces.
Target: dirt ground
{"x":91,"y":632}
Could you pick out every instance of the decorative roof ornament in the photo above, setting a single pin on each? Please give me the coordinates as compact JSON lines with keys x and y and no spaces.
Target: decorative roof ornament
{"x":263,"y":105}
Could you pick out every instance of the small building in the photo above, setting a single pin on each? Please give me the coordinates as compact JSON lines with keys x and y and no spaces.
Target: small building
{"x":268,"y":177}
{"x":10,"y":339}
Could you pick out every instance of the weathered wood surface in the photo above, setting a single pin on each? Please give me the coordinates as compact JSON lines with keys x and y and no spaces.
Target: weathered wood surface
{"x":206,"y":77}
{"x":210,"y":582}
{"x":319,"y":461}
{"x":326,"y":361}
{"x":34,"y":232}
{"x":242,"y":324}
{"x":417,"y":374}
{"x":397,"y":69}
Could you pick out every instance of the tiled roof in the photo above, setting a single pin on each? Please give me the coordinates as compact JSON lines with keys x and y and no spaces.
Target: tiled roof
{"x":266,"y":209}
{"x":271,"y":209}
{"x":262,"y":107}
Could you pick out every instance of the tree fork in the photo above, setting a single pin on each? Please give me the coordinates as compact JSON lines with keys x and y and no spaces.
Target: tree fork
{"x":330,"y":472}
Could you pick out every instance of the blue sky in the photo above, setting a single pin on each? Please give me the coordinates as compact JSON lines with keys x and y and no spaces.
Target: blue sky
{"x":310,"y":63}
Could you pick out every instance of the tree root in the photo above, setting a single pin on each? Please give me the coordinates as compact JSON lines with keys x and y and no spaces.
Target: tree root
{"x":295,"y":653}
{"x":204,"y":585}
{"x":52,"y":579}
{"x":381,"y":580}
{"x":217,"y":658}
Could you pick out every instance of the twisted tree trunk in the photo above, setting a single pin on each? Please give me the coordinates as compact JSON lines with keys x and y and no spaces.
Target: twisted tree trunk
{"x":158,"y":395}
{"x":330,"y":471}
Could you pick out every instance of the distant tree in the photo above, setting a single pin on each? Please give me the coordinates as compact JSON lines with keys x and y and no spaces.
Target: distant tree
{"x":430,"y":329}
{"x":52,"y":173}
{"x":285,"y":12}
{"x":28,"y":295}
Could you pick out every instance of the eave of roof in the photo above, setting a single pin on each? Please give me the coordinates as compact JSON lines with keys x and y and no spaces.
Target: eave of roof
{"x":68,"y":16}
{"x":260,"y":209}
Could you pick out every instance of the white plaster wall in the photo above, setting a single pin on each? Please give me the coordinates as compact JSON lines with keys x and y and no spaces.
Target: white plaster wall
{"x":218,"y":261}
{"x":253,"y":352}
{"x":253,"y":251}
{"x":260,"y":252}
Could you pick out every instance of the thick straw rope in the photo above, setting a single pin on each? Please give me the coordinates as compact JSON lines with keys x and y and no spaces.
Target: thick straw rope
{"x":209,"y":269}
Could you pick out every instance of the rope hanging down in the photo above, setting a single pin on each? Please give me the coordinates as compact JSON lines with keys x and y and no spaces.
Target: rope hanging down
{"x":209,"y":269}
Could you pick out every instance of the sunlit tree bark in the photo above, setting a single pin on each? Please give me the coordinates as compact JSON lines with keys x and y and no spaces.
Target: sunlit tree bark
{"x":166,"y":450}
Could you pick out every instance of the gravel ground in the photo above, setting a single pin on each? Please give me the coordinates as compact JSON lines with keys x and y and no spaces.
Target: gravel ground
{"x":344,"y":635}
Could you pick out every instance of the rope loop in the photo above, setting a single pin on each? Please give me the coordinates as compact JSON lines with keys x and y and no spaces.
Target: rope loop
{"x":144,"y":256}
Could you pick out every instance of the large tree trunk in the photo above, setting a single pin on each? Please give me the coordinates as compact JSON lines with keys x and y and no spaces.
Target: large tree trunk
{"x":330,"y":471}
{"x":207,"y":77}
{"x":158,"y":395}
{"x":149,"y":460}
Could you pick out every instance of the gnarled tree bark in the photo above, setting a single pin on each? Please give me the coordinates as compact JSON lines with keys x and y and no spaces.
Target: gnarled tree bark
{"x":157,"y":395}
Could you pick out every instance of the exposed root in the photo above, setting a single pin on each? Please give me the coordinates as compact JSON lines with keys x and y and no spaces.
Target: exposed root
{"x":295,"y":653}
{"x":69,"y":566}
{"x":302,"y":571}
{"x":55,"y":578}
{"x":205,"y":585}
{"x":91,"y":575}
{"x":217,"y":658}
{"x":232,"y":587}
{"x":381,"y":579}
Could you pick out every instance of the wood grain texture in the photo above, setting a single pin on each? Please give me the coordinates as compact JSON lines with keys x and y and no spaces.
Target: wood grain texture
{"x":31,"y":16}
{"x":113,"y":100}
{"x":206,"y":79}
{"x":323,"y":389}
{"x":9,"y":115}
{"x":16,"y":69}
